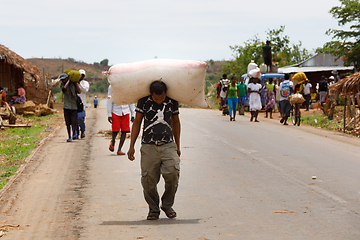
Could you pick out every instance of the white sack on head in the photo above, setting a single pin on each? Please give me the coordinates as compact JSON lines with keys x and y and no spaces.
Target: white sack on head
{"x":184,"y":79}
{"x":255,"y":73}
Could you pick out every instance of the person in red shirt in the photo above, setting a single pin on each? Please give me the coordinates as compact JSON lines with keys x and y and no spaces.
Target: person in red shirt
{"x":3,"y":97}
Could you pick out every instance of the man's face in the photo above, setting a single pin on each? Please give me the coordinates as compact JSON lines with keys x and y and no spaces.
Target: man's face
{"x":158,"y":98}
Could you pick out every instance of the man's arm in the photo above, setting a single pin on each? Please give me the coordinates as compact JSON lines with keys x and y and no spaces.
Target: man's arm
{"x":84,"y":86}
{"x":132,"y":111}
{"x":77,"y":88}
{"x":176,"y":128}
{"x":109,"y":107}
{"x":135,"y":130}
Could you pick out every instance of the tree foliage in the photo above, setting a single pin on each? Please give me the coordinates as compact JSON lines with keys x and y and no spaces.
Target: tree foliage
{"x":283,"y":52}
{"x":345,"y":42}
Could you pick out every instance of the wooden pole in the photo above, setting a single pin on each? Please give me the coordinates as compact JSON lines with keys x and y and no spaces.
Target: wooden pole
{"x":353,"y":102}
{"x":345,"y":113}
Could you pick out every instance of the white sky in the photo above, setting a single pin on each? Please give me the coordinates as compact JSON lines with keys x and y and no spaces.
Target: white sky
{"x":136,"y":30}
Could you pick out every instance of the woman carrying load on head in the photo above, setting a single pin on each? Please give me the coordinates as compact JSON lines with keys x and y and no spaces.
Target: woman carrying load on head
{"x":269,"y":89}
{"x":254,"y":89}
{"x":232,"y":96}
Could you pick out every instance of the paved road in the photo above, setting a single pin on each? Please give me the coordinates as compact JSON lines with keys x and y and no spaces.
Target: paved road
{"x":239,"y":180}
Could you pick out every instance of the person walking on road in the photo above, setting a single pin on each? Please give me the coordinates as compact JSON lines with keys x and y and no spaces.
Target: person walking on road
{"x":270,"y":92}
{"x":95,"y":102}
{"x":70,"y":90}
{"x":232,"y":96}
{"x":307,"y":94}
{"x":323,"y":90}
{"x":224,"y":85}
{"x":160,"y":149}
{"x":119,"y":117}
{"x":84,"y":88}
{"x":254,"y":90}
{"x":243,"y":95}
{"x":286,"y":88}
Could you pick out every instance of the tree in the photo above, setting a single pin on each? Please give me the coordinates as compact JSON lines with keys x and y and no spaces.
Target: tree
{"x":283,"y":52}
{"x":346,"y":42}
{"x":105,"y":62}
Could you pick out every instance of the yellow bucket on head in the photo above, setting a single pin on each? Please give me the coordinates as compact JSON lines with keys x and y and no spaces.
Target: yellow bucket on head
{"x":74,"y":76}
{"x":300,"y":76}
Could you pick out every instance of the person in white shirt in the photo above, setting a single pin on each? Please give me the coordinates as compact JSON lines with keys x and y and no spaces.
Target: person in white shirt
{"x":84,"y":88}
{"x":119,"y":117}
{"x":307,"y":94}
{"x":224,"y":85}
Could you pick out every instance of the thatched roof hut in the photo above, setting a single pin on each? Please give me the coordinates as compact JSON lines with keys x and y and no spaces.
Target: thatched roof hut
{"x":15,"y":70}
{"x":348,"y":85}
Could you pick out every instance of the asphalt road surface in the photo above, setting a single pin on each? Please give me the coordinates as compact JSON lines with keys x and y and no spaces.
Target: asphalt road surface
{"x":239,"y":180}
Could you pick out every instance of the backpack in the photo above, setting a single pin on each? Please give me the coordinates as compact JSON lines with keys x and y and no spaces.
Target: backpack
{"x":224,"y":85}
{"x":285,"y":89}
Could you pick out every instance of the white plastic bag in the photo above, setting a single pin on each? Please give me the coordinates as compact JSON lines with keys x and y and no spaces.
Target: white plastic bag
{"x":184,"y":79}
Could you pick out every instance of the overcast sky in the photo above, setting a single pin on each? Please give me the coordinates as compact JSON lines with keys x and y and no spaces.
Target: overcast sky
{"x":136,"y":30}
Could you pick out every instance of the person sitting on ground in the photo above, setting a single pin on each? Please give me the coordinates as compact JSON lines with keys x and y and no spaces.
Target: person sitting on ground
{"x":160,"y":149}
{"x":3,"y":97}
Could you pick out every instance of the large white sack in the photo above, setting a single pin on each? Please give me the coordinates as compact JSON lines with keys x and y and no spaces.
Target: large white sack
{"x":184,"y":79}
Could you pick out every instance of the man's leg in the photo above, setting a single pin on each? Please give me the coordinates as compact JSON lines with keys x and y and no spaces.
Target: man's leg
{"x":122,"y":140}
{"x":74,"y":122}
{"x":170,"y":170}
{"x":81,"y":123}
{"x":150,"y":176}
{"x":125,"y":128}
{"x":68,"y":122}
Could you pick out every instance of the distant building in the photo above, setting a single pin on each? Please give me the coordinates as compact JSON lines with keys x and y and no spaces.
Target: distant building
{"x":319,"y":65}
{"x":15,"y":69}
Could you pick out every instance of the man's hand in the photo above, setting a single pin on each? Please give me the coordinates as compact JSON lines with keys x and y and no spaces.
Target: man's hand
{"x":110,"y":119}
{"x":131,"y":153}
{"x":132,"y":119}
{"x":178,"y":151}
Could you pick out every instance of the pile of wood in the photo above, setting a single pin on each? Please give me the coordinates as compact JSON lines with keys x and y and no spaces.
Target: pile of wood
{"x":352,"y":126}
{"x":30,"y":108}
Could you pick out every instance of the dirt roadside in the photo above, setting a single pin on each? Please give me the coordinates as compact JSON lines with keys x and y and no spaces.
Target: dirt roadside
{"x":49,"y":188}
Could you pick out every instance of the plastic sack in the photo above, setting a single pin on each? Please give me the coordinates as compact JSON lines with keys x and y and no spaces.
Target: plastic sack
{"x":185,"y":80}
{"x":300,"y":76}
{"x":296,"y":98}
{"x":252,"y":65}
{"x":255,"y":73}
{"x":263,"y":68}
{"x":74,"y":76}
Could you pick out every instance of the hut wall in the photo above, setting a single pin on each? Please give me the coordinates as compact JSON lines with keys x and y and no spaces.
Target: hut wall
{"x":35,"y":90}
{"x":10,"y":76}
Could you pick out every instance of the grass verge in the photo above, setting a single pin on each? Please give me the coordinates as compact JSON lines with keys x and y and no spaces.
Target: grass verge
{"x":16,"y":144}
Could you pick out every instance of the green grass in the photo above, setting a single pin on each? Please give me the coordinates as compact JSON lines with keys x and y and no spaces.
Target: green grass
{"x":321,"y":120}
{"x":16,"y":144}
